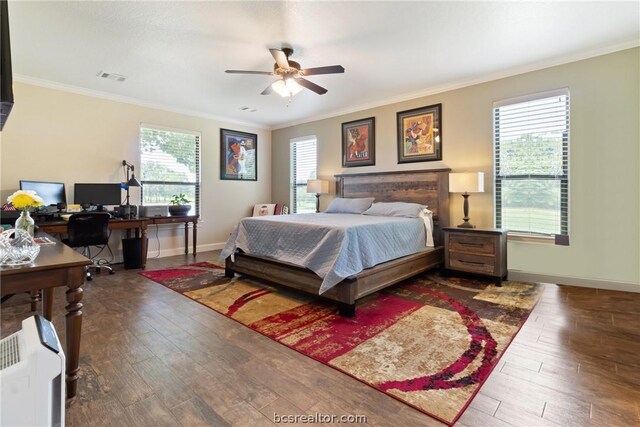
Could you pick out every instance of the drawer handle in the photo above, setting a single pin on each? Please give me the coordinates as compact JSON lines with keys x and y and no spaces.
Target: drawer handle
{"x":471,"y":262}
{"x":475,"y":245}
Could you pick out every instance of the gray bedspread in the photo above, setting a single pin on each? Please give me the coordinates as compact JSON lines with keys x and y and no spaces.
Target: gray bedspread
{"x":334,"y":246}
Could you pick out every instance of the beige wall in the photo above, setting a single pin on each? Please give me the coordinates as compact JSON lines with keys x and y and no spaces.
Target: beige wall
{"x":604,"y":161}
{"x":54,"y":135}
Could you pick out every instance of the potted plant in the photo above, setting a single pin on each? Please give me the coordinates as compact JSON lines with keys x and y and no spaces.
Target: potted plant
{"x":179,"y":205}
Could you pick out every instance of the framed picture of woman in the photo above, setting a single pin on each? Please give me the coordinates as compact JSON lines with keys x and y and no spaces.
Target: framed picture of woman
{"x":359,"y":142}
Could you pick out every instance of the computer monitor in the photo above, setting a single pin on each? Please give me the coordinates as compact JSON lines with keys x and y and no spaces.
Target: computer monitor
{"x":51,"y":192}
{"x":97,"y":194}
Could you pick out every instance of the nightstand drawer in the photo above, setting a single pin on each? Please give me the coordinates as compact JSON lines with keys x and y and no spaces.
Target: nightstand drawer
{"x":477,"y":244}
{"x":472,"y":263}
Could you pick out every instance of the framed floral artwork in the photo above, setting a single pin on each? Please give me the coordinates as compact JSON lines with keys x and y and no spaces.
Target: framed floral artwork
{"x":238,"y":155}
{"x":358,"y":142}
{"x":420,"y":134}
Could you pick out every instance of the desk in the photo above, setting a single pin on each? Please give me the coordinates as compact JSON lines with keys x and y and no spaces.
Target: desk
{"x":179,"y":219}
{"x":137,"y":224}
{"x":56,"y":265}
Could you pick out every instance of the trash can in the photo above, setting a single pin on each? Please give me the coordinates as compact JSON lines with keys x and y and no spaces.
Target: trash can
{"x":132,"y":252}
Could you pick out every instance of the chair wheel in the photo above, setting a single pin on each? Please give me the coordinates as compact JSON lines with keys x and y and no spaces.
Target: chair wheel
{"x":112,"y":272}
{"x":89,"y":278}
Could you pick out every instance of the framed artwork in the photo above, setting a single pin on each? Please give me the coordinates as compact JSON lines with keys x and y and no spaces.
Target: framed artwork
{"x":359,"y":142}
{"x":238,"y":155}
{"x":420,"y":134}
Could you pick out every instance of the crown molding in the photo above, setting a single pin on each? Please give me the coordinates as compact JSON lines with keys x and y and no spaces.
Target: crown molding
{"x":510,"y":72}
{"x":540,"y":65}
{"x":129,"y":100}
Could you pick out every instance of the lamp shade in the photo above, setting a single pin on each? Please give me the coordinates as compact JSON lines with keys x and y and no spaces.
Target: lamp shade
{"x":466,"y":182}
{"x":318,"y":186}
{"x":288,"y":87}
{"x":133,"y":182}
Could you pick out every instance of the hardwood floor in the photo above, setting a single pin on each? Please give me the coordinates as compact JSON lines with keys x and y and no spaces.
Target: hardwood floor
{"x":150,"y":356}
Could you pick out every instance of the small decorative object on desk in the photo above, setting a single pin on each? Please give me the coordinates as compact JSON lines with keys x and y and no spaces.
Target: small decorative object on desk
{"x":44,"y":241}
{"x":17,"y":248}
{"x":25,"y":200}
{"x":179,"y":205}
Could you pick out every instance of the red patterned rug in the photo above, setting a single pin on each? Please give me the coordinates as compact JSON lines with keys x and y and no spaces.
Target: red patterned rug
{"x":430,"y":341}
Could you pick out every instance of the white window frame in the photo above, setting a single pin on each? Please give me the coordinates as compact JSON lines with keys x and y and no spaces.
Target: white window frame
{"x":292,"y":171}
{"x":197,"y":184}
{"x":563,"y":178}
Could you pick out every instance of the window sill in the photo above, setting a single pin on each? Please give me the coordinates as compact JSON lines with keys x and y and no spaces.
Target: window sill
{"x":530,"y":238}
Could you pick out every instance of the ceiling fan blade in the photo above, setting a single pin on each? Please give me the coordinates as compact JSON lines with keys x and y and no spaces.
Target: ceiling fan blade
{"x":311,"y":86}
{"x":267,"y":91}
{"x":281,"y":58}
{"x":329,"y":69}
{"x":266,"y":73}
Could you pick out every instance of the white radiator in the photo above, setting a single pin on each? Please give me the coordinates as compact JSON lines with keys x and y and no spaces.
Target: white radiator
{"x":32,"y":376}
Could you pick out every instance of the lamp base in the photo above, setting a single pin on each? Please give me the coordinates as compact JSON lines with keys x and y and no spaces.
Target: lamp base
{"x":466,"y":224}
{"x":317,"y":202}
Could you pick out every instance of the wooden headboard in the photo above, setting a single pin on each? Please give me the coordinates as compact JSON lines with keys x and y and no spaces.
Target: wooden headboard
{"x":428,"y":187}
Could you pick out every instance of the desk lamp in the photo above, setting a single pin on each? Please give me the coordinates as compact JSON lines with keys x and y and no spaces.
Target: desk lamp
{"x":131,"y":182}
{"x":465,"y":183}
{"x":318,"y":186}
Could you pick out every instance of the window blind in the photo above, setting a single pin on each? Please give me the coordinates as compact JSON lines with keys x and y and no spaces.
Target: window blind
{"x":169,"y":164}
{"x":531,"y":147}
{"x":303,"y":168}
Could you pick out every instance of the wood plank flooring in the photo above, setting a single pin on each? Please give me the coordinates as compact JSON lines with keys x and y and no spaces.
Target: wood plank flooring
{"x":150,"y":356}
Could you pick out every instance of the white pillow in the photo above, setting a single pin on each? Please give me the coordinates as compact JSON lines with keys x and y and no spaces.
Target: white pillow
{"x":356,"y":206}
{"x":408,"y":210}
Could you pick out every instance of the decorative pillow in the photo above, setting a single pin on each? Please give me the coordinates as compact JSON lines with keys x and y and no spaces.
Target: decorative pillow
{"x":264,"y":209}
{"x":409,"y":210}
{"x":355,"y":206}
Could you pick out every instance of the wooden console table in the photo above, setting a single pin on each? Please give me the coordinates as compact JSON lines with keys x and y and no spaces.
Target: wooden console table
{"x":177,"y":220}
{"x":137,"y":224}
{"x":56,"y":265}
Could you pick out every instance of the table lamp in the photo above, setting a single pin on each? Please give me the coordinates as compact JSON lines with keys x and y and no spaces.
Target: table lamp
{"x":465,"y":183}
{"x":318,"y":186}
{"x":131,"y":182}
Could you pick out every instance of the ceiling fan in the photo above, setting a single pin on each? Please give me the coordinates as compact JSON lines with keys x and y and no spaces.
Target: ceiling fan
{"x":291,"y":76}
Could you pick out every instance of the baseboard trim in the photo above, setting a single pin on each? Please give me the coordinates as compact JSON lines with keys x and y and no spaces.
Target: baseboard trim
{"x":180,"y":250}
{"x":525,"y":276}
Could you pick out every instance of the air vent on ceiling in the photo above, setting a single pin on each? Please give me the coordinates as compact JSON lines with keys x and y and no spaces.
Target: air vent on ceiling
{"x":111,"y":76}
{"x":249,"y":109}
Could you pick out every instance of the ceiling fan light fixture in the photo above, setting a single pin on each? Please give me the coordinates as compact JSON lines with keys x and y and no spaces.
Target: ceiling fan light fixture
{"x":286,"y":87}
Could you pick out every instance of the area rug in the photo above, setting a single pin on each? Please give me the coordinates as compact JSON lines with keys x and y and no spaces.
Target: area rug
{"x":430,"y":341}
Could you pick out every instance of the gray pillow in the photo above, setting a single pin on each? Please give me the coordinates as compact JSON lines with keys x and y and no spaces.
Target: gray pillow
{"x":409,"y":210}
{"x":355,"y":206}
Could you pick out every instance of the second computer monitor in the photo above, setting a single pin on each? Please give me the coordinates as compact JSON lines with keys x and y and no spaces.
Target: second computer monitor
{"x":97,"y":194}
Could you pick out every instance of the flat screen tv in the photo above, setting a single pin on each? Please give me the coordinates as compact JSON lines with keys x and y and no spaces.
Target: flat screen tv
{"x":6,"y":75}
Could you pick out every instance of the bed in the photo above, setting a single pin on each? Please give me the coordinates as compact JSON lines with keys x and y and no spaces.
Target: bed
{"x":428,"y":187}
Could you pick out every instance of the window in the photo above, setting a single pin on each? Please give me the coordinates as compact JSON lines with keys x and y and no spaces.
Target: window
{"x":303,"y":168}
{"x":531,"y":145}
{"x":169,"y":164}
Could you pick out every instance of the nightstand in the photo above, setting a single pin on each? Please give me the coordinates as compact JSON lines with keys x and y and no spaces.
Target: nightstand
{"x":477,"y":251}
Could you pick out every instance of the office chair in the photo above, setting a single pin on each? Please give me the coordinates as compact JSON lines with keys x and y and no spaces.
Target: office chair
{"x":89,"y":229}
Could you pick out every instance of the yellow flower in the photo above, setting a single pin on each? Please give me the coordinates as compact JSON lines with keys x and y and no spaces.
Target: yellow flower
{"x":25,"y":199}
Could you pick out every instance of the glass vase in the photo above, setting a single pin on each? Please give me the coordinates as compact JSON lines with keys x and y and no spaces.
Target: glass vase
{"x":25,"y":222}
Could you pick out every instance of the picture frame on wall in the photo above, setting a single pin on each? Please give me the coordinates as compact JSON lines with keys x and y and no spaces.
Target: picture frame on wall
{"x":238,"y":155}
{"x":420,"y":134}
{"x":359,"y":142}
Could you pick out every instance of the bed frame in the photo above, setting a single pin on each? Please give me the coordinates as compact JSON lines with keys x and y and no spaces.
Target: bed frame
{"x":430,"y":187}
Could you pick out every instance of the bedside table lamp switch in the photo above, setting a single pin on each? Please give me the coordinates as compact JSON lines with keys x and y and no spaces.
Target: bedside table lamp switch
{"x":465,"y":183}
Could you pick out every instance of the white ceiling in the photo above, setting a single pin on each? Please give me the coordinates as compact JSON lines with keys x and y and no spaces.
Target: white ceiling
{"x":175,"y":53}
